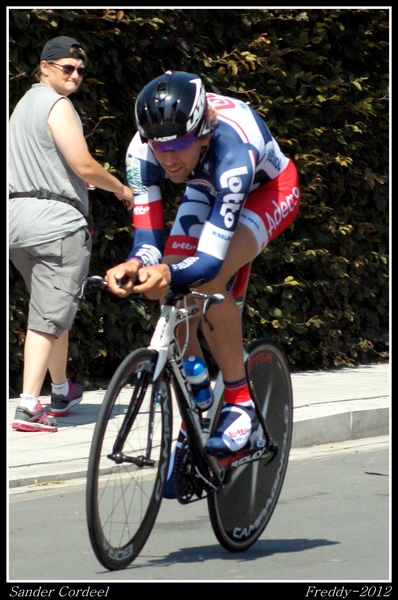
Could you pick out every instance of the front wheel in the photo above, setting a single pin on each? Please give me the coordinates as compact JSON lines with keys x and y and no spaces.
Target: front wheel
{"x":128,"y":461}
{"x":241,"y":510}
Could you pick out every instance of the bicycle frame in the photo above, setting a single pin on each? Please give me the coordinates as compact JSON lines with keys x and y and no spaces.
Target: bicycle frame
{"x":165,"y":343}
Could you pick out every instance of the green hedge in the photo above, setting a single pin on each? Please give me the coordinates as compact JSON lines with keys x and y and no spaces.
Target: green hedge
{"x":320,"y":78}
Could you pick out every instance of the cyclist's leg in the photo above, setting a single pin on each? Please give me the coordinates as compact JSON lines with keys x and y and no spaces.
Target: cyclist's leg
{"x":225,"y":340}
{"x":266,"y":213}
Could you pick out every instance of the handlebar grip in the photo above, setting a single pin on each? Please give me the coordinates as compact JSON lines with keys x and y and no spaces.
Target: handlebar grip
{"x":91,"y":281}
{"x":95,"y":280}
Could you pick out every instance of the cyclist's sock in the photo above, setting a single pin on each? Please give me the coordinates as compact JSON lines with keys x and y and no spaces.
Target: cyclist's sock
{"x":237,"y":392}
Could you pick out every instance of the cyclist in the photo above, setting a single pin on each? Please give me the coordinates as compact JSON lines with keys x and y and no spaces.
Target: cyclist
{"x":241,"y":192}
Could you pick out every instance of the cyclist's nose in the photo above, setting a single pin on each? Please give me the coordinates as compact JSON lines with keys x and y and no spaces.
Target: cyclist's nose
{"x":169,"y":158}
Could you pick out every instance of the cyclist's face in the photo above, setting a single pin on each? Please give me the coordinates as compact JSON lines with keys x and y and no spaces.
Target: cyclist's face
{"x":178,"y":165}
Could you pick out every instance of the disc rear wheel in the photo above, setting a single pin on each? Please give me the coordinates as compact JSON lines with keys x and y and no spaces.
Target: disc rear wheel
{"x":240,"y":511}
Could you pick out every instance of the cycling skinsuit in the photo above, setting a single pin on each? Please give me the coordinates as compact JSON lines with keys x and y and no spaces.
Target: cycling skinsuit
{"x":242,"y":177}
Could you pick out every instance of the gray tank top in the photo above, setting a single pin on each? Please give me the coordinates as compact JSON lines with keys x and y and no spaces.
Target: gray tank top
{"x":35,"y":163}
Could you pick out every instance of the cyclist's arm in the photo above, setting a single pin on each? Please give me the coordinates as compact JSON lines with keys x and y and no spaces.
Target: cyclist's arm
{"x":234,"y":183}
{"x":147,"y":221}
{"x":234,"y":179}
{"x":143,"y":175}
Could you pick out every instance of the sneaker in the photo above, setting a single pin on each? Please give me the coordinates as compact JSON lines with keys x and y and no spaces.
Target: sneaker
{"x":61,"y":405}
{"x":169,"y":490}
{"x":35,"y":420}
{"x":234,"y":428}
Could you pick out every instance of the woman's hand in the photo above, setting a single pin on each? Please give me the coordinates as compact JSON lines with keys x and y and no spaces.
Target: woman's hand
{"x":126,"y":195}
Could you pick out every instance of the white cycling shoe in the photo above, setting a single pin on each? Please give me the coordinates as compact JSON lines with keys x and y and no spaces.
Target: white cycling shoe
{"x":235,"y":425}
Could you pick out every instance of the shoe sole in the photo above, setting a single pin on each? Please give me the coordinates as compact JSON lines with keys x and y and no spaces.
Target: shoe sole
{"x":33,"y":427}
{"x":169,"y":491}
{"x":60,"y":412}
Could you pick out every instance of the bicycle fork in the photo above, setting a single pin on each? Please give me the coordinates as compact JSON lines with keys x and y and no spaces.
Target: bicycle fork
{"x":117,"y":455}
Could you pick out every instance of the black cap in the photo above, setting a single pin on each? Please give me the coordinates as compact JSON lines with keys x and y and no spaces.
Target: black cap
{"x":60,"y":47}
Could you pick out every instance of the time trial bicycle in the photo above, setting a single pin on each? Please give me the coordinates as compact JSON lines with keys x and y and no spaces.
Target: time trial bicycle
{"x":132,"y":440}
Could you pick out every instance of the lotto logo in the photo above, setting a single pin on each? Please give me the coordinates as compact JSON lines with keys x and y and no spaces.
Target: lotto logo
{"x":183,"y":246}
{"x":141,"y":210}
{"x":232,"y":202}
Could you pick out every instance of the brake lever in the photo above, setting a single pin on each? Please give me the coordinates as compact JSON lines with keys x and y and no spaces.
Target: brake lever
{"x":215,"y":299}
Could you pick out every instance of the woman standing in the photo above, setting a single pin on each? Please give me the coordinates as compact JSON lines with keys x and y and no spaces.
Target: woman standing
{"x":49,"y":169}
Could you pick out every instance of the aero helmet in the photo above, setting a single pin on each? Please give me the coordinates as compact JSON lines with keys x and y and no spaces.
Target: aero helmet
{"x":170,"y":107}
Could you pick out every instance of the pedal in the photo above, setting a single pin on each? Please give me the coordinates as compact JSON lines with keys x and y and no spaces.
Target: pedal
{"x":257,"y":444}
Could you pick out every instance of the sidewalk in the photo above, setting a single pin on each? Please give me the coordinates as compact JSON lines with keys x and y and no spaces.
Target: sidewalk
{"x":329,"y":407}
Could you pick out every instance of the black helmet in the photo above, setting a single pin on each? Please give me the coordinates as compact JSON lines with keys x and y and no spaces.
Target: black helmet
{"x":172,"y":106}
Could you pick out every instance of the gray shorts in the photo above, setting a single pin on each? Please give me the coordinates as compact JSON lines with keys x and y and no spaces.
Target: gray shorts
{"x":54,"y":273}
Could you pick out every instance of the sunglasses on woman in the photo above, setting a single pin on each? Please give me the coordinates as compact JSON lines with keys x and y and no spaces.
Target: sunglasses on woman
{"x":69,"y":69}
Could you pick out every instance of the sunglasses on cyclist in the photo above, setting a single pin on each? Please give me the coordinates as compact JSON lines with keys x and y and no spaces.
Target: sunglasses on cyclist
{"x":176,"y":145}
{"x":69,"y":69}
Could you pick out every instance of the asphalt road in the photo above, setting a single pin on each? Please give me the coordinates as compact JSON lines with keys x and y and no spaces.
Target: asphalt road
{"x":332,"y":524}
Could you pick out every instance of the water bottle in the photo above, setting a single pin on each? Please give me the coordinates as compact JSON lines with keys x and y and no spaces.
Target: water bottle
{"x":198,"y":377}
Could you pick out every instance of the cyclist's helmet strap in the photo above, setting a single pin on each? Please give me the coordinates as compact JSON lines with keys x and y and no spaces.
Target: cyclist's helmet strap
{"x":171,"y":106}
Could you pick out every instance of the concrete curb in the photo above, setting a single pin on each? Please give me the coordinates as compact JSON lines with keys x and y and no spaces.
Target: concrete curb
{"x":329,"y":407}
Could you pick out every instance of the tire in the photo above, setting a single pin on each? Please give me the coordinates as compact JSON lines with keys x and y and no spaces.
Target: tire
{"x":123,"y":500}
{"x":241,"y":510}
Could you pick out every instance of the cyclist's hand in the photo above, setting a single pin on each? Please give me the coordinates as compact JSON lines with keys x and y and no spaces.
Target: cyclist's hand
{"x":153,"y":281}
{"x":127,"y":196}
{"x":121,"y":279}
